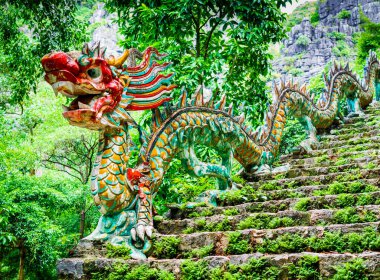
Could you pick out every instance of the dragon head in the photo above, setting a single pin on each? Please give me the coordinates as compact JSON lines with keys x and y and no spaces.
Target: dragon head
{"x":104,"y":90}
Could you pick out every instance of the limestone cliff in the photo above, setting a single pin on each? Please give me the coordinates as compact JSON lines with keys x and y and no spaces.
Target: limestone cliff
{"x":310,"y":46}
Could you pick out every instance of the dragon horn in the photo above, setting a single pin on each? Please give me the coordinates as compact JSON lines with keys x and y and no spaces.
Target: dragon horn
{"x":118,"y":62}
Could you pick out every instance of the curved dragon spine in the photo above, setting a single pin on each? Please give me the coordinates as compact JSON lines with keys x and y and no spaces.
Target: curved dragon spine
{"x":189,"y":125}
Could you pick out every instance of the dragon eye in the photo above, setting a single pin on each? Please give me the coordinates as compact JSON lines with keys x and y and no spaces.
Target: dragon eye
{"x":94,"y":73}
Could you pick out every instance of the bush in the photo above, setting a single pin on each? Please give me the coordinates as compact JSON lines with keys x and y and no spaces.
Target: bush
{"x":305,"y":268}
{"x":167,"y":247}
{"x":369,"y":39}
{"x":337,"y":35}
{"x":303,"y":41}
{"x":314,"y":19}
{"x":237,"y":245}
{"x":296,"y":72}
{"x":341,"y":49}
{"x":344,"y":14}
{"x":353,"y":270}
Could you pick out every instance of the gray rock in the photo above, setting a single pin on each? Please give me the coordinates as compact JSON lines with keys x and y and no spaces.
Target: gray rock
{"x":319,"y":52}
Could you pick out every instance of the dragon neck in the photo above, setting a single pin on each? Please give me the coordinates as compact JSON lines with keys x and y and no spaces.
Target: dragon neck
{"x":108,"y":176}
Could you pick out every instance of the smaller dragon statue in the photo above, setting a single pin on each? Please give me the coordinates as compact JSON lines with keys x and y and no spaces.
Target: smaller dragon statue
{"x":104,"y":90}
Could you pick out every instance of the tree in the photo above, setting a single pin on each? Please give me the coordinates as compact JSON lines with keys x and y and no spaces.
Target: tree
{"x":76,"y":158}
{"x":33,"y":210}
{"x":39,"y":215}
{"x":29,"y":30}
{"x":221,"y":44}
{"x":369,"y":39}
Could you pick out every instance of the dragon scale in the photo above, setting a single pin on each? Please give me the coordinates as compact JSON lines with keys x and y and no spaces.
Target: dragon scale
{"x":105,"y":90}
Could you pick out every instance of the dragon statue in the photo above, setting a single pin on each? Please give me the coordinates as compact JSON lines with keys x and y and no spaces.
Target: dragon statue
{"x":104,"y":90}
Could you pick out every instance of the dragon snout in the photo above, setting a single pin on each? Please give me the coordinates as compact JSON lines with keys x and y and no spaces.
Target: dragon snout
{"x":59,"y":61}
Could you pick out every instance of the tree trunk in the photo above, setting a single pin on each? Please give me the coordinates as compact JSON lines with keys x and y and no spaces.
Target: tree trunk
{"x":21,"y":275}
{"x":82,"y":223}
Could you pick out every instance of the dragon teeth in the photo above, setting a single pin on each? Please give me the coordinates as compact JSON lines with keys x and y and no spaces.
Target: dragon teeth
{"x":83,"y":106}
{"x":65,"y":108}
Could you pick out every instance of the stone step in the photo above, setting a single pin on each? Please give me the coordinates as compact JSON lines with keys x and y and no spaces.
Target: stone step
{"x":276,"y":192}
{"x":343,"y":149}
{"x":271,"y":191}
{"x":342,"y":137}
{"x":297,"y":171}
{"x":325,"y":265}
{"x":331,"y":159}
{"x":234,"y":221}
{"x":353,"y":141}
{"x":273,"y":206}
{"x":317,"y":239}
{"x":353,"y":129}
{"x":320,"y":179}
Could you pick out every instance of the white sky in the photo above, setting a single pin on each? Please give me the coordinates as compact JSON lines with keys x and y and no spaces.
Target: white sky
{"x":290,"y":7}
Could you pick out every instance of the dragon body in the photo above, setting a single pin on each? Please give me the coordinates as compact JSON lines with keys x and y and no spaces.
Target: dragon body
{"x":106,"y":89}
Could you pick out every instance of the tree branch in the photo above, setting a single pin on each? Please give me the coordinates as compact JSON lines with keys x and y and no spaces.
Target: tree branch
{"x":207,"y":43}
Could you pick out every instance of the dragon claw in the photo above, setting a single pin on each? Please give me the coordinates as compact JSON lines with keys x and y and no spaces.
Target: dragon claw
{"x":133,"y":234}
{"x":140,"y":229}
{"x":149,"y":231}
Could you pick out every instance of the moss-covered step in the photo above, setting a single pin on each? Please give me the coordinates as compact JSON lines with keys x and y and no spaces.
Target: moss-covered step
{"x":322,"y":179}
{"x":272,"y":191}
{"x":232,"y":220}
{"x":268,"y":191}
{"x":353,"y":238}
{"x":327,"y":160}
{"x":356,"y":140}
{"x":297,"y":171}
{"x":273,"y":206}
{"x":260,"y":266}
{"x":342,"y":137}
{"x":339,"y":150}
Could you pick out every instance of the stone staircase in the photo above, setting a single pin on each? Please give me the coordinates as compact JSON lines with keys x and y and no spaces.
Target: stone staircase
{"x":318,"y":218}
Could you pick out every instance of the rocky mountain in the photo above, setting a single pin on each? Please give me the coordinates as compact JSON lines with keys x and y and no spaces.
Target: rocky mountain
{"x":327,"y":34}
{"x":105,"y":29}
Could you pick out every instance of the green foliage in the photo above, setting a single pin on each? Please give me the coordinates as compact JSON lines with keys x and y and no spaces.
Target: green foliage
{"x":122,"y":252}
{"x":29,"y":30}
{"x":36,"y":211}
{"x":41,"y":213}
{"x":220,"y":44}
{"x":306,"y":268}
{"x":293,"y":135}
{"x":265,"y":221}
{"x":237,"y":179}
{"x":369,"y":39}
{"x":191,"y":270}
{"x":167,"y":247}
{"x":344,"y":14}
{"x":231,"y":212}
{"x":369,"y":239}
{"x":200,"y":252}
{"x":303,"y":41}
{"x":341,"y":49}
{"x":346,"y":187}
{"x":179,"y":187}
{"x":337,"y":35}
{"x":302,"y":204}
{"x":352,"y":270}
{"x":258,"y":269}
{"x":301,"y":12}
{"x":296,"y":72}
{"x":351,"y":215}
{"x":237,"y":244}
{"x":125,"y":272}
{"x":314,"y":18}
